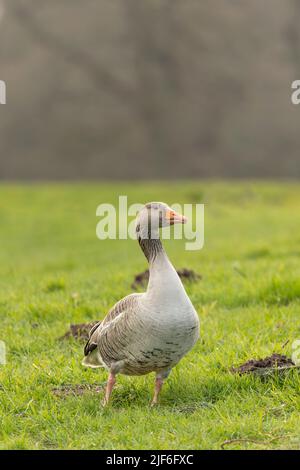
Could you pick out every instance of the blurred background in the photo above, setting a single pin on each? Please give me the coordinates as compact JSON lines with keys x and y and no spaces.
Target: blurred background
{"x":149,"y":89}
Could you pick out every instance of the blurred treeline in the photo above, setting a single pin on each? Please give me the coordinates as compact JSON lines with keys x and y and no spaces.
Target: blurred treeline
{"x":149,"y":88}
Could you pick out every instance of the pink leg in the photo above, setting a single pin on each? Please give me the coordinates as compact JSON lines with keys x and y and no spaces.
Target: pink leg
{"x":158,"y":385}
{"x":109,"y":387}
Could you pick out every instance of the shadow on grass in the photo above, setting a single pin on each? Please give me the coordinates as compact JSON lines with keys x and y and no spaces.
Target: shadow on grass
{"x":188,"y":397}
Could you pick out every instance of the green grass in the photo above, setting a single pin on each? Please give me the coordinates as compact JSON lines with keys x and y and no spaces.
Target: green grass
{"x":248,"y":302}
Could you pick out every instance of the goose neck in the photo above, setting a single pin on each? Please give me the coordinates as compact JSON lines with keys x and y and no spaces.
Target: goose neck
{"x":152,"y":249}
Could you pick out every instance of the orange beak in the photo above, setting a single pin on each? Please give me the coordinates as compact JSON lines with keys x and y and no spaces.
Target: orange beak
{"x":175,"y":218}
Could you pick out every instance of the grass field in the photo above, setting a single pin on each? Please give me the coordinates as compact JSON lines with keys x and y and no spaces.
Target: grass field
{"x":54,"y":271}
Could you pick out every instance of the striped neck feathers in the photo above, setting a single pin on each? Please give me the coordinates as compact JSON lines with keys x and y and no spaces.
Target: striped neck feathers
{"x":149,"y":242}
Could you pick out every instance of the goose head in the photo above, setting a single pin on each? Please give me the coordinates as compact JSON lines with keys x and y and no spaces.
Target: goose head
{"x":155,"y":215}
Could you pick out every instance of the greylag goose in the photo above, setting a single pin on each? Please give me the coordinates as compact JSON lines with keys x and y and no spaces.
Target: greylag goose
{"x":152,"y":331}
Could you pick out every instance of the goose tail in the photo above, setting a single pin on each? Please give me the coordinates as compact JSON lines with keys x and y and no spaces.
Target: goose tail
{"x":92,"y":360}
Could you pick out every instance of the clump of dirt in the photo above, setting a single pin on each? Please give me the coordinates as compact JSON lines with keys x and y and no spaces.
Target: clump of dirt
{"x":79,"y":331}
{"x":141,"y":279}
{"x":75,"y":390}
{"x":188,"y":275}
{"x":276,"y":361}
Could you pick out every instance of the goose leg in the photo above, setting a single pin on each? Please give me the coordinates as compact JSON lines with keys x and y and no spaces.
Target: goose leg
{"x":159,"y":381}
{"x":158,"y":386}
{"x":109,"y":388}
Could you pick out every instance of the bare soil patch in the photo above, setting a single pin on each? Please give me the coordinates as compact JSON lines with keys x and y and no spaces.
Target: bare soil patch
{"x":276,"y":361}
{"x":79,"y":331}
{"x":77,"y":389}
{"x":141,"y":279}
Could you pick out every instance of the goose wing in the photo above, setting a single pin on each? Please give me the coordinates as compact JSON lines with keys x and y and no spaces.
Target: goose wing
{"x":112,"y":329}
